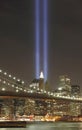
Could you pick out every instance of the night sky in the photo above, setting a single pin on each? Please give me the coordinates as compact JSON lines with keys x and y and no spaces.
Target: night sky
{"x":17,"y":39}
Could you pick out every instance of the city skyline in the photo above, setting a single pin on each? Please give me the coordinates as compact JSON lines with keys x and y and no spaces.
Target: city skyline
{"x":17,"y":39}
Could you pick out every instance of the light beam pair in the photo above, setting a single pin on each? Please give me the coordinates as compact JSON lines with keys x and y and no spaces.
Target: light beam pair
{"x":45,"y":42}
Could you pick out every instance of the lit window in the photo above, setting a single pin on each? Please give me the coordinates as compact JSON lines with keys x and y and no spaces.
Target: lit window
{"x":22,"y":82}
{"x":4,"y":82}
{"x":14,"y":78}
{"x":17,"y":90}
{"x":0,"y":70}
{"x":5,"y":73}
{"x":18,"y":80}
{"x":3,"y":89}
{"x":9,"y":76}
{"x":12,"y":85}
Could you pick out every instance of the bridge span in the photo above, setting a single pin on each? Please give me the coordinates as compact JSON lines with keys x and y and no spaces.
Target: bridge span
{"x":39,"y":96}
{"x":18,"y":100}
{"x":10,"y":86}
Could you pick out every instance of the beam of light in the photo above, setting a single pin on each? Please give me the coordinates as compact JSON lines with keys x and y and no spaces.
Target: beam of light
{"x":37,"y":33}
{"x":45,"y":37}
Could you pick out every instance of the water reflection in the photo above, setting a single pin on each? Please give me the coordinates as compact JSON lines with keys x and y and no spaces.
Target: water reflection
{"x":56,"y":126}
{"x":49,"y":126}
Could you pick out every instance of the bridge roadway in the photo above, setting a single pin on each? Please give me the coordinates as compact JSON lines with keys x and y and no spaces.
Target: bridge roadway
{"x":42,"y":96}
{"x":8,"y":80}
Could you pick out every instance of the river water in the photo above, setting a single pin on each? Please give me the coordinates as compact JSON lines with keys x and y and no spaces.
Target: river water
{"x":50,"y":126}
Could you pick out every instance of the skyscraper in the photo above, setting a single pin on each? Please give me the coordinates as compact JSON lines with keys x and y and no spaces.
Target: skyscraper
{"x":64,"y":85}
{"x":39,"y":84}
{"x":75,"y":90}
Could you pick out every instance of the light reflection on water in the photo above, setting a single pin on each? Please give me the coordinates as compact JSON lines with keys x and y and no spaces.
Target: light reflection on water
{"x":49,"y":126}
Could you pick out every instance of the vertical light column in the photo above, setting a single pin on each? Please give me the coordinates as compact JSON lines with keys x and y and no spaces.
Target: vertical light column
{"x":37,"y":45}
{"x":45,"y":42}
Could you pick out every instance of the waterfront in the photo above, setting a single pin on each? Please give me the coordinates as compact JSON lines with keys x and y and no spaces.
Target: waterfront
{"x":50,"y":126}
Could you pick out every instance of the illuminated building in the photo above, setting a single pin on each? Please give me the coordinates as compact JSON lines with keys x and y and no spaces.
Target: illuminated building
{"x":39,"y":84}
{"x":75,"y":109}
{"x":29,"y":107}
{"x":40,"y":108}
{"x":64,"y":87}
{"x":19,"y":102}
{"x":6,"y":109}
{"x":47,"y":86}
{"x":61,"y":108}
{"x":75,"y":90}
{"x":34,"y":85}
{"x":41,"y":81}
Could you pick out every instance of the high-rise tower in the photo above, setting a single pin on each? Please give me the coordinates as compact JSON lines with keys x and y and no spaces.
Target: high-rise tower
{"x":64,"y":86}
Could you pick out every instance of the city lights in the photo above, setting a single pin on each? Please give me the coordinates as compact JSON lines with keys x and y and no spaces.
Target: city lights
{"x":3,"y":89}
{"x":34,"y":32}
{"x":0,"y":71}
{"x":5,"y":73}
{"x":62,"y":102}
{"x":17,"y":90}
{"x":10,"y":76}
{"x":18,"y":80}
{"x":12,"y":85}
{"x":14,"y":78}
{"x":22,"y":82}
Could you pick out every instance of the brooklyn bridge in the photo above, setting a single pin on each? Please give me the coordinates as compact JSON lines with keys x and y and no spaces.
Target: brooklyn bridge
{"x":19,"y":101}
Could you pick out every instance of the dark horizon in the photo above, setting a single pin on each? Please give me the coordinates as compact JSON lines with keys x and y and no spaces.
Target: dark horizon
{"x":17,"y":39}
